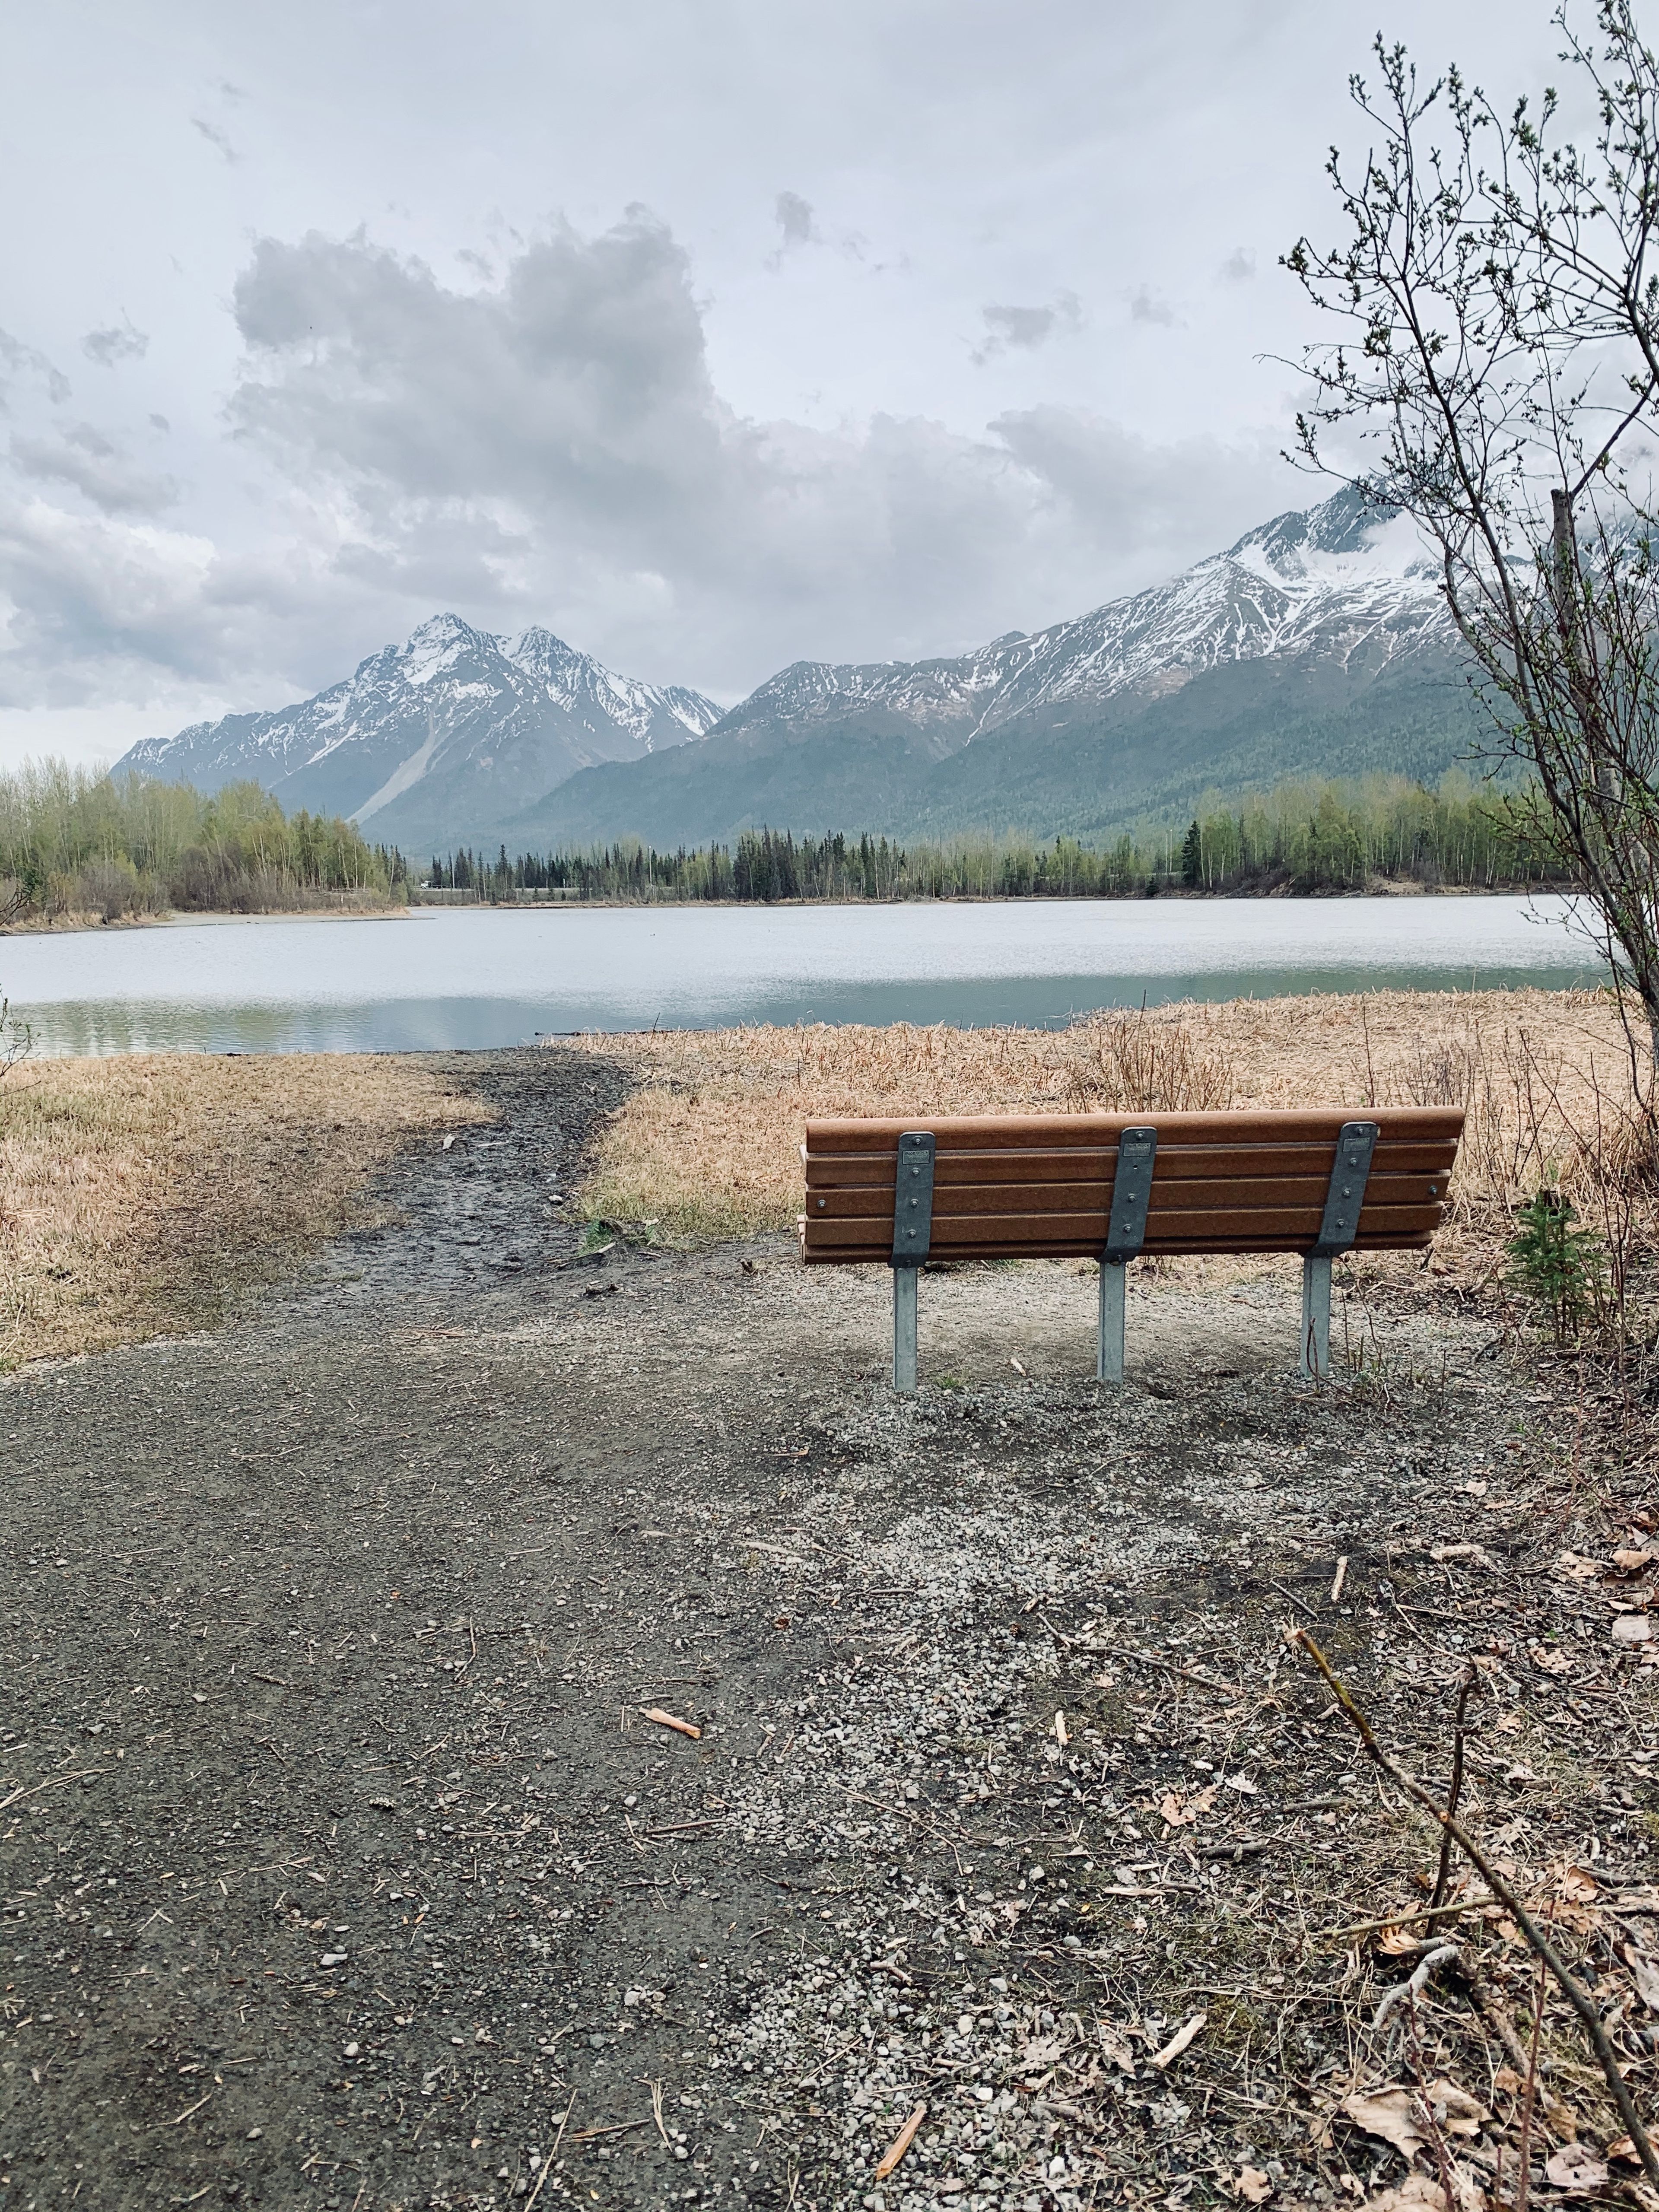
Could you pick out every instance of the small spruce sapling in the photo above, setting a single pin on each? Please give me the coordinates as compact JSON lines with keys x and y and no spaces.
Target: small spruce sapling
{"x":1561,"y":1268}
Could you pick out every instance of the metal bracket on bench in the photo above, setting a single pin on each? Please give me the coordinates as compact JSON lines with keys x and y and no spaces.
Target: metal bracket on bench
{"x":1126,"y":1232}
{"x":913,"y":1237}
{"x":1345,"y":1200}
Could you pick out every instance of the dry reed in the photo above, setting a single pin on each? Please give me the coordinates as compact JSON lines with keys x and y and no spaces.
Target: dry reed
{"x":143,"y":1194}
{"x":708,"y":1144}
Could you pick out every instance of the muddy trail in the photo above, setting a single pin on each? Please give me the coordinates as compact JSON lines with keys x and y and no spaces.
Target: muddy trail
{"x":345,"y":1864}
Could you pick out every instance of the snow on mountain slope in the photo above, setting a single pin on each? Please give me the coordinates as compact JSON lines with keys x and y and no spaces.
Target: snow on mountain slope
{"x":458,"y":735}
{"x":455,"y":719}
{"x":1338,"y":584}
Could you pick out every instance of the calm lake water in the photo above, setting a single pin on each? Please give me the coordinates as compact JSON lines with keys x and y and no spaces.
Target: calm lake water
{"x":436,"y":978}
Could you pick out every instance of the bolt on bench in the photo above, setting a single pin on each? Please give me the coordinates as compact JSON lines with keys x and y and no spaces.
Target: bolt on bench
{"x":1109,"y":1187}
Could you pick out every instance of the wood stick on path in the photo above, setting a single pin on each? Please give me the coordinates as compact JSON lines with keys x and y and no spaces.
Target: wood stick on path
{"x":1577,"y":1997}
{"x":670,"y":1720}
{"x":900,"y":2142}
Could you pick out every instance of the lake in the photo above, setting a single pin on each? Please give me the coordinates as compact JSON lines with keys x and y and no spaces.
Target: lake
{"x":437,"y":978}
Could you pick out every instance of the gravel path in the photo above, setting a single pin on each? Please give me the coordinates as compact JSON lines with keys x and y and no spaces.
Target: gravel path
{"x":343,"y":1865}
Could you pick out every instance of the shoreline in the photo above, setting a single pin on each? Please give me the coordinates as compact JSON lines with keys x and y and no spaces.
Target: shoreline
{"x":1379,"y":888}
{"x":88,"y":926}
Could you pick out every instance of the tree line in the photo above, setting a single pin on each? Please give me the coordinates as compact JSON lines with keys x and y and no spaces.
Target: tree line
{"x":76,"y":841}
{"x":1301,"y":837}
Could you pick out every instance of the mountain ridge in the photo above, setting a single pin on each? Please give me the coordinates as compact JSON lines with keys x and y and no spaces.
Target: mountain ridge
{"x":454,"y":720}
{"x":1317,"y":641}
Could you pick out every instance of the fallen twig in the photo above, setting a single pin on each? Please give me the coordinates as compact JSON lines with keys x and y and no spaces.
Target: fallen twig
{"x":52,"y":1781}
{"x":547,"y":2163}
{"x":1576,"y":1995}
{"x":1454,"y":1792}
{"x":1416,"y":1983}
{"x":900,"y":2142}
{"x":1186,"y":1673}
{"x":1399,"y":1920}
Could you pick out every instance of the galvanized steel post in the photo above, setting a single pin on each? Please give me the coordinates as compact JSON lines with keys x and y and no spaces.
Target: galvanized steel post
{"x":1126,"y":1232}
{"x":913,"y":1236}
{"x":1345,"y":1200}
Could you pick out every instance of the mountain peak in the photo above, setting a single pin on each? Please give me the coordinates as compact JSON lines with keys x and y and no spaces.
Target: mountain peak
{"x":424,"y":732}
{"x":1342,"y":534}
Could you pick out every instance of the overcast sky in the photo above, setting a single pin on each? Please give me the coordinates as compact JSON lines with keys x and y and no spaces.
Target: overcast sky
{"x":714,"y":334}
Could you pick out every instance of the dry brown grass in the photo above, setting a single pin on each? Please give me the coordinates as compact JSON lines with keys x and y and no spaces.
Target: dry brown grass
{"x":143,"y":1194}
{"x":709,"y":1145}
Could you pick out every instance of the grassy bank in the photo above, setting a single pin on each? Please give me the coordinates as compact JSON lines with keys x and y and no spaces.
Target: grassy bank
{"x":144,"y":1195}
{"x":708,"y":1147}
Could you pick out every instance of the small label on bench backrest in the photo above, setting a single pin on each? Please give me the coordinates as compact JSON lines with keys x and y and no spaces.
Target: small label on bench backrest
{"x":1131,"y":1187}
{"x":1347,"y":1195}
{"x":913,"y":1198}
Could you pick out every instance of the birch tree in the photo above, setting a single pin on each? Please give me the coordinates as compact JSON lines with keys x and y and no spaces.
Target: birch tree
{"x":1495,"y":375}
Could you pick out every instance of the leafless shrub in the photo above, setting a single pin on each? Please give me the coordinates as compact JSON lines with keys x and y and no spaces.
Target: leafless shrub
{"x":1143,"y":1063}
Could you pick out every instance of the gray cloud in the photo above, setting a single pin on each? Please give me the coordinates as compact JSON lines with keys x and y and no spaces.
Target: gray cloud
{"x":17,"y":360}
{"x":120,"y":342}
{"x":796,"y":225}
{"x":1239,"y":267}
{"x":1027,"y":327}
{"x":216,"y":138}
{"x":1147,"y":306}
{"x":794,"y":216}
{"x":85,"y":457}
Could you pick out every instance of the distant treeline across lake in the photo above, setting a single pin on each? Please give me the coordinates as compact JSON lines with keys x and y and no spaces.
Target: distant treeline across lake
{"x":75,"y":844}
{"x":1300,"y":838}
{"x":78,"y":845}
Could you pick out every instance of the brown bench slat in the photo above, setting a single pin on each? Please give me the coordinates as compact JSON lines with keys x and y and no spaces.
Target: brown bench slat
{"x":1046,"y":1132}
{"x":1088,"y":1229}
{"x":1082,"y":1249}
{"x":875,"y":1170}
{"x":1046,"y":1198}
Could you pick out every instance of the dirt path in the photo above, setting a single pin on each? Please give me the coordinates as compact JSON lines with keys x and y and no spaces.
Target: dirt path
{"x":342,"y":1866}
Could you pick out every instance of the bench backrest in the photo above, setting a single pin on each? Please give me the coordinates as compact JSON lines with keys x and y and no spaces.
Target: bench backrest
{"x":1034,"y":1185}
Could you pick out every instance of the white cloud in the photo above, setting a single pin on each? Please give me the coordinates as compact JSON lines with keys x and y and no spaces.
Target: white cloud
{"x":551,"y":447}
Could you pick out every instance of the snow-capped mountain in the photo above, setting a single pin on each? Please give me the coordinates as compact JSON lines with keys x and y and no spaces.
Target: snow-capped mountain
{"x":427,"y":739}
{"x":1337,"y":585}
{"x":1317,"y":644}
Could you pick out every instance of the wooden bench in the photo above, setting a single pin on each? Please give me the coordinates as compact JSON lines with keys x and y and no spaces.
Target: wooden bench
{"x":1109,"y":1187}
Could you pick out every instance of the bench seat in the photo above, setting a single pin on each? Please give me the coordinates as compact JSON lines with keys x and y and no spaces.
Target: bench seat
{"x":1044,"y":1186}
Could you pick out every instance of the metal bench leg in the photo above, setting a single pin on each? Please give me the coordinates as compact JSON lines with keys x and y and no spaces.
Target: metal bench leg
{"x":1316,"y":1317}
{"x":1109,"y":1367}
{"x":904,"y":1330}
